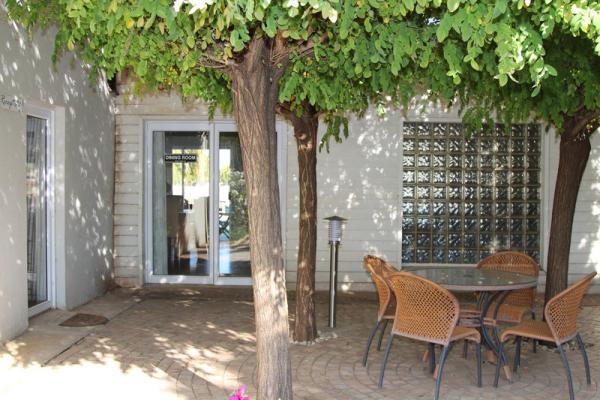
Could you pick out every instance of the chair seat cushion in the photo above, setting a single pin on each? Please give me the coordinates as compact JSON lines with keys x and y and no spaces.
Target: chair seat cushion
{"x":530,"y":329}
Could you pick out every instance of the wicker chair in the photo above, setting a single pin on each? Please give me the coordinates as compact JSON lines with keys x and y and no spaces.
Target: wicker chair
{"x":427,"y":312}
{"x":560,"y":327}
{"x":518,"y":303}
{"x":377,"y":267}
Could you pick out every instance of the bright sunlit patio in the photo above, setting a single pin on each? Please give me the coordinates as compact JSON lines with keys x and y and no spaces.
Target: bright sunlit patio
{"x":198,"y":343}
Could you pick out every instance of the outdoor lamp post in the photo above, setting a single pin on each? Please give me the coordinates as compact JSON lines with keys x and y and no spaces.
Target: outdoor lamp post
{"x":335,"y":237}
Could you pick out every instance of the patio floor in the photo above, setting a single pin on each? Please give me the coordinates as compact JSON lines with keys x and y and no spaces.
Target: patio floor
{"x":198,"y":343}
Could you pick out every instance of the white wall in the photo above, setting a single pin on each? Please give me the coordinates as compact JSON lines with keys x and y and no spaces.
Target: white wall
{"x":13,"y":228}
{"x":84,"y":148}
{"x":360,"y":179}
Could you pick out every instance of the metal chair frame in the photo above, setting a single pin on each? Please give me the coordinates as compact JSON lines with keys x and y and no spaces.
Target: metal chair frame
{"x":377,"y":267}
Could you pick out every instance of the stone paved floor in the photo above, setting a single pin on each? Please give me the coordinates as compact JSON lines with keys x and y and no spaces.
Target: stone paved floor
{"x":198,"y":343}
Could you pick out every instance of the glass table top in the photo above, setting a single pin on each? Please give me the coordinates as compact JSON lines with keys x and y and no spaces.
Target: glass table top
{"x":469,"y":279}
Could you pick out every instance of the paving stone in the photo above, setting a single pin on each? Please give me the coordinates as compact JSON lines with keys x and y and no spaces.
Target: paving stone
{"x":198,"y":343}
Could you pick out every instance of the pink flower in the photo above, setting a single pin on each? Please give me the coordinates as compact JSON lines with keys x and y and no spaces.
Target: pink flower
{"x":239,"y":394}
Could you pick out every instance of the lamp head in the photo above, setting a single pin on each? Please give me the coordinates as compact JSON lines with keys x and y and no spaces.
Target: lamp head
{"x":335,"y":228}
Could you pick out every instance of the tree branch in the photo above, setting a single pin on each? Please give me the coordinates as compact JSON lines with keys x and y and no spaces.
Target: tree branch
{"x":304,"y":50}
{"x":212,"y":63}
{"x":580,"y":121}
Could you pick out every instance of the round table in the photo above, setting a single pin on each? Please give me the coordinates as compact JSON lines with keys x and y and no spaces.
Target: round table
{"x":492,"y":286}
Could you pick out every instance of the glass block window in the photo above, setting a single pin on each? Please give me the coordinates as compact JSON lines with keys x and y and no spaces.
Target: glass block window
{"x":466,"y":198}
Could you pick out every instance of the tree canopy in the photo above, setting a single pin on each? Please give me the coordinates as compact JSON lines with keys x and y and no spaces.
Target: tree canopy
{"x":367,"y":42}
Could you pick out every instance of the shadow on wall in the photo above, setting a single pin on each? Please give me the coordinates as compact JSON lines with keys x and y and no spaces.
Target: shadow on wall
{"x":83,"y":169}
{"x":360,"y":179}
{"x":587,"y":226}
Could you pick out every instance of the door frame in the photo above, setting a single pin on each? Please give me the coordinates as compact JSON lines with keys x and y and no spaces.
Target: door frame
{"x":48,"y":115}
{"x":214,"y":128}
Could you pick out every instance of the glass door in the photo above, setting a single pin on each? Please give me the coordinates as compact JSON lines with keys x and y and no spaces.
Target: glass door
{"x":233,"y":258}
{"x":196,"y":218}
{"x":180,"y":198}
{"x":39,"y":279}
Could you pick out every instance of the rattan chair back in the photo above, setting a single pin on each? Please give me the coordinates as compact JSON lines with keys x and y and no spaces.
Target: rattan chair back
{"x":425,"y":311}
{"x":377,"y":268}
{"x":513,"y":261}
{"x":561,"y":310}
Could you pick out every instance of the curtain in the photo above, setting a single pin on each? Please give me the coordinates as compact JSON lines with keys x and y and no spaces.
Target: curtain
{"x":159,"y":205}
{"x":199,"y":222}
{"x":36,"y":211}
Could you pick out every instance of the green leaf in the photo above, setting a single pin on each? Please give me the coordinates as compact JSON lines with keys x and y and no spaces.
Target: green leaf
{"x":409,"y":4}
{"x":444,"y":28}
{"x":499,"y":8}
{"x":190,"y":41}
{"x":503,"y":78}
{"x":249,"y":9}
{"x":259,"y":13}
{"x":271,"y":26}
{"x":141,"y":68}
{"x":453,"y":5}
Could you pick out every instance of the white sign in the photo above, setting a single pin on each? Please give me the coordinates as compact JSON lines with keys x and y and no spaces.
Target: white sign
{"x":11,"y":103}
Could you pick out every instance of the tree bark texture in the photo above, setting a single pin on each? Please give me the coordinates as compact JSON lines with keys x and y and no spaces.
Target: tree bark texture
{"x":574,"y":153}
{"x":254,"y":89}
{"x":305,"y":133}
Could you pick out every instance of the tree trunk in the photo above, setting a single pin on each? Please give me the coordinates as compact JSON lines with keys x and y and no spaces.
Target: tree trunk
{"x":574,"y":152}
{"x":254,"y":89}
{"x":305,"y":132}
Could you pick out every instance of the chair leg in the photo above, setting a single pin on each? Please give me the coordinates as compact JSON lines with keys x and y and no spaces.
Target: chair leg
{"x":565,"y":361}
{"x":465,"y":349}
{"x":369,"y":343}
{"x":438,"y":382}
{"x":517,"y":361}
{"x":499,"y":364}
{"x":588,"y":375}
{"x":385,"y":324}
{"x":431,"y":352}
{"x":533,"y":340}
{"x":385,"y":358}
{"x":478,"y":351}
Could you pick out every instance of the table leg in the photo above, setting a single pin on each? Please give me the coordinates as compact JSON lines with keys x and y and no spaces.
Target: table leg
{"x":485,"y":301}
{"x":507,"y":370}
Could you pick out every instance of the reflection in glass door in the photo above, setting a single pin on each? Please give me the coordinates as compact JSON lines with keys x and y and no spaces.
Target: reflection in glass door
{"x":234,"y":243}
{"x":180,"y":203}
{"x":37,"y":214}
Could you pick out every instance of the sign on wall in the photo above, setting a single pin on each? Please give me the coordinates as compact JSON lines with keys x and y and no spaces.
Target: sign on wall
{"x":180,"y":157}
{"x":11,"y":103}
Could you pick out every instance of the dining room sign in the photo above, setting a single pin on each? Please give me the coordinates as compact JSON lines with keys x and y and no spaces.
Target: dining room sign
{"x":11,"y":103}
{"x":180,"y":157}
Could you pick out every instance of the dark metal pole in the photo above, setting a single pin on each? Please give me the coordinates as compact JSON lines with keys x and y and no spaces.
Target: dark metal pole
{"x":333,"y":266}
